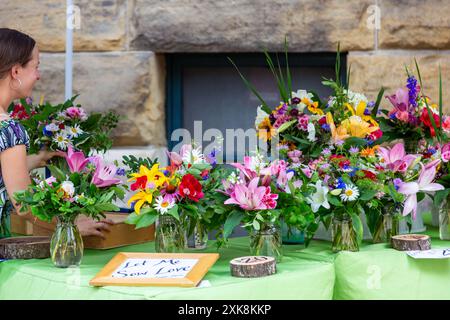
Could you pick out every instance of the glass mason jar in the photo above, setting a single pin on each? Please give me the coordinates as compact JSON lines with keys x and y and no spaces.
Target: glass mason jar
{"x":387,"y":224}
{"x":343,"y":235}
{"x":66,"y":246}
{"x":169,"y":235}
{"x":199,"y":238}
{"x":266,"y":242}
{"x":444,"y":220}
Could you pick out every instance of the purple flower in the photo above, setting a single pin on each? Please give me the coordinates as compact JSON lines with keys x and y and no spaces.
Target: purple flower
{"x":211,"y":158}
{"x":367,"y":112}
{"x":371,"y":104}
{"x":326,"y":127}
{"x":354,"y":150}
{"x":397,"y":183}
{"x":326,"y":152}
{"x":295,"y":100}
{"x":412,"y":90}
{"x":294,"y":112}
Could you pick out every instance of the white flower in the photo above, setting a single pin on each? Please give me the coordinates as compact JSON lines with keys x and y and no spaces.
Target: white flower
{"x":319,"y":198}
{"x":74,"y":131}
{"x":62,"y":140}
{"x":351,"y":193}
{"x":302,"y":94}
{"x":260,"y":116}
{"x":68,"y":188}
{"x":163,"y":205}
{"x":52,"y":127}
{"x":355,"y":98}
{"x":233,"y":178}
{"x":49,"y":181}
{"x":195,"y":156}
{"x":311,"y":132}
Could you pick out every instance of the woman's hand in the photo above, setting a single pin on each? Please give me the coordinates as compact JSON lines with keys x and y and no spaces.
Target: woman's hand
{"x":39,"y":160}
{"x":90,"y":227}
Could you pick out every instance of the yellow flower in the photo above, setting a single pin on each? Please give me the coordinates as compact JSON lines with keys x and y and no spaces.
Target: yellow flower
{"x":358,"y":127}
{"x":142,"y":197}
{"x":338,"y":134}
{"x":313,"y":107}
{"x":369,"y":152}
{"x":360,"y":112}
{"x":154,"y":175}
{"x":265,"y":130}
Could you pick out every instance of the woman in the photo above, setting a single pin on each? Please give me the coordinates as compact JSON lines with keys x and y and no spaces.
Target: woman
{"x":19,"y":62}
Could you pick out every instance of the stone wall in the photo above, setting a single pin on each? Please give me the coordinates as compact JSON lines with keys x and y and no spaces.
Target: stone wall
{"x":119,"y":59}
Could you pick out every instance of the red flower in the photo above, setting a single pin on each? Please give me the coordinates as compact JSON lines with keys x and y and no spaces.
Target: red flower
{"x":140,"y":183}
{"x":19,"y":112}
{"x":370,"y":175}
{"x":62,"y":126}
{"x":323,"y":120}
{"x":191,"y":188}
{"x":345,"y":163}
{"x":336,"y":157}
{"x":427,"y":121}
{"x":376,"y":134}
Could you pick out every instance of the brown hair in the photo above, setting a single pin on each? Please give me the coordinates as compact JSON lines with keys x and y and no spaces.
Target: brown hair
{"x":15,"y":48}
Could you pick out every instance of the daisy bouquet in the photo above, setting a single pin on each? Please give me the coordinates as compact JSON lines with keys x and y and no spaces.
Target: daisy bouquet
{"x":55,"y":127}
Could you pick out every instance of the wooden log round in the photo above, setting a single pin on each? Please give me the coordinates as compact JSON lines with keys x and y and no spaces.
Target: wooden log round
{"x":25,"y":248}
{"x":407,"y":242}
{"x":253,"y":266}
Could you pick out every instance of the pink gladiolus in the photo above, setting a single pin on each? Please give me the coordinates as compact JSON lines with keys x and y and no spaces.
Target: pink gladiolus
{"x":410,"y":189}
{"x":104,"y":175}
{"x":445,"y":152}
{"x":252,"y":197}
{"x":76,"y":160}
{"x":396,"y":158}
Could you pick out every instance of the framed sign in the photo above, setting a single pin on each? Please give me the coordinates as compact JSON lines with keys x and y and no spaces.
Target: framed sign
{"x":155,"y":269}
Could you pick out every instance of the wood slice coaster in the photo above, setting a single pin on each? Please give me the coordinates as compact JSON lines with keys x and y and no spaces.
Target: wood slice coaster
{"x":253,"y":266}
{"x":407,"y":242}
{"x":25,"y":248}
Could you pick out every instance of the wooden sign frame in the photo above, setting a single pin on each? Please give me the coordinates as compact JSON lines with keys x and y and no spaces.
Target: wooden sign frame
{"x":104,"y":277}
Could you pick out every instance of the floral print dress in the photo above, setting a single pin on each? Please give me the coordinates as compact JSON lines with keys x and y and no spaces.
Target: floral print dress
{"x":12,"y":134}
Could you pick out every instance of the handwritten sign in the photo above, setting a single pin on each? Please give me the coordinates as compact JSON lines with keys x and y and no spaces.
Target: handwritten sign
{"x":430,"y":254}
{"x":155,"y":269}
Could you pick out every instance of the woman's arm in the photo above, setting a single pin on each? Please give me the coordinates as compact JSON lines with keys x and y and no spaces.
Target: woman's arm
{"x":39,"y":160}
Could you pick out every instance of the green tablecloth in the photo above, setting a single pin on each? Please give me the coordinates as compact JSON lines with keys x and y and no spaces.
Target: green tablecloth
{"x":375,"y":272}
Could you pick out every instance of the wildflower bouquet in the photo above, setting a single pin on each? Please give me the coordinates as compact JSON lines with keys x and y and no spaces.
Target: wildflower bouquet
{"x":89,"y":187}
{"x":413,"y":117}
{"x":55,"y":127}
{"x":171,"y":191}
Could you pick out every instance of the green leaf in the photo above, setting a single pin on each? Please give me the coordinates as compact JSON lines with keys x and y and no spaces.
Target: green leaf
{"x":57,"y":173}
{"x":256,"y":225}
{"x":286,"y":125}
{"x":367,"y":194}
{"x":233,"y":220}
{"x":440,"y":196}
{"x":174,"y":212}
{"x":357,"y":225}
{"x":147,"y":220}
{"x":377,"y":103}
{"x":334,"y":201}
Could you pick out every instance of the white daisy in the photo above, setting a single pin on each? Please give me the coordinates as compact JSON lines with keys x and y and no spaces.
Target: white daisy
{"x":163,"y":205}
{"x":351,"y":193}
{"x":74,"y":131}
{"x":194,"y":157}
{"x":62,"y":140}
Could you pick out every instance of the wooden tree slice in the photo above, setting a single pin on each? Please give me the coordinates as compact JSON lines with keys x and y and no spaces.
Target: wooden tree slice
{"x":407,"y":242}
{"x":25,"y":248}
{"x":253,"y":266}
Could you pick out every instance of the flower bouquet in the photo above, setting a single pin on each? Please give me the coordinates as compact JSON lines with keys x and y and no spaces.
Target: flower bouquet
{"x":55,"y":127}
{"x":168,"y":196}
{"x":88,"y":187}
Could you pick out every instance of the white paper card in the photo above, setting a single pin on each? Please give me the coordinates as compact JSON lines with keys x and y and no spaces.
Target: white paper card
{"x":430,"y":254}
{"x":154,"y":268}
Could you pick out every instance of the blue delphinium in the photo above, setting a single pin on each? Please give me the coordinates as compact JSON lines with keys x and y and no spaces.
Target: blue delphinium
{"x":412,"y":90}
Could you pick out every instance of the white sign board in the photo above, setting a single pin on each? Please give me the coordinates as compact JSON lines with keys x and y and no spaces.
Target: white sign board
{"x":430,"y":254}
{"x":154,"y":268}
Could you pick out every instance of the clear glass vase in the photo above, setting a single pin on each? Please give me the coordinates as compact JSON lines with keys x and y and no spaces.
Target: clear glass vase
{"x":169,"y":235}
{"x":267,"y":242}
{"x":66,"y":246}
{"x":444,"y":220}
{"x":199,"y":239}
{"x":343,"y":235}
{"x":387,"y":225}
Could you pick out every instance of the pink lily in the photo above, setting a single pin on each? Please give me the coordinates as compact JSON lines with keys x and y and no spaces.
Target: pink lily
{"x":248,"y":168}
{"x":396,"y":158}
{"x":76,"y":160}
{"x":252,"y":197}
{"x":104,"y":175}
{"x":400,"y":100}
{"x":175,"y":159}
{"x":423,"y":184}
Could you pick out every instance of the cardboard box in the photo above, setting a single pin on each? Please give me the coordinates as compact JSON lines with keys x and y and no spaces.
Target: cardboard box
{"x":121,"y":234}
